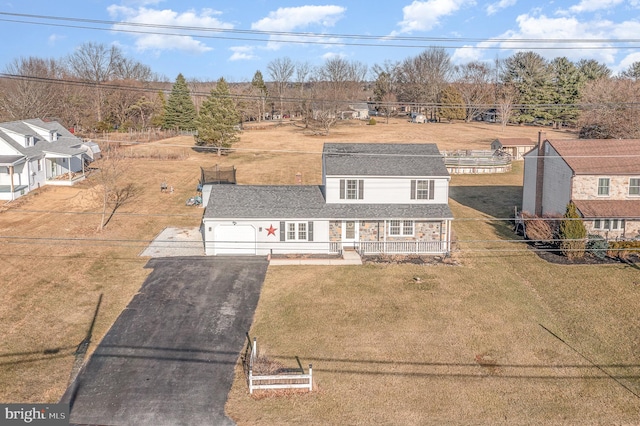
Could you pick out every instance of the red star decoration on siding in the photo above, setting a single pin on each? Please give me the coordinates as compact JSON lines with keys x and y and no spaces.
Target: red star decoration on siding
{"x":271,"y":230}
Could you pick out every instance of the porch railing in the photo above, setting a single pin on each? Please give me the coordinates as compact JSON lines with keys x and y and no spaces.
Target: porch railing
{"x":401,"y":247}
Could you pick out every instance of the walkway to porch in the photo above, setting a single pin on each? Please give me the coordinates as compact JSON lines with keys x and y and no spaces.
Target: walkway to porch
{"x":349,"y":257}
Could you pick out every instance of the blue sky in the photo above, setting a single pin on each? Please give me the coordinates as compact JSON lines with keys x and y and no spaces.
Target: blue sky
{"x":366,"y":31}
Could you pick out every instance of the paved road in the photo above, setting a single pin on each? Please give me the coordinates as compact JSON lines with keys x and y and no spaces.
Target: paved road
{"x":169,"y":357}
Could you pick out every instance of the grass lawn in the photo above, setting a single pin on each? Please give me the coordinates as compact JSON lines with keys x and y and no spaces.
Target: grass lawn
{"x":466,"y":344}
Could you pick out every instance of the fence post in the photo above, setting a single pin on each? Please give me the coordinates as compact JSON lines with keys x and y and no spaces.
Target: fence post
{"x":310,"y":377}
{"x":254,"y":351}
{"x":250,"y":380}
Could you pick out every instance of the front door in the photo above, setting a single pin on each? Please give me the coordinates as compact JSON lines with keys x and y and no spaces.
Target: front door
{"x":349,"y":233}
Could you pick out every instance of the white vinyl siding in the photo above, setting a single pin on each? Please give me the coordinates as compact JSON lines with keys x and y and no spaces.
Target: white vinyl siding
{"x":422,"y":189}
{"x":351,"y":189}
{"x":383,"y":190}
{"x":297,"y":231}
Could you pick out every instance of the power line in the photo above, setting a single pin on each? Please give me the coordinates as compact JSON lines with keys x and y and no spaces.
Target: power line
{"x":317,"y":38}
{"x":316,"y":100}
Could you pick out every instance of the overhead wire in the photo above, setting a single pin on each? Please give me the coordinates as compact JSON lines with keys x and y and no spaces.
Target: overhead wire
{"x":310,"y":37}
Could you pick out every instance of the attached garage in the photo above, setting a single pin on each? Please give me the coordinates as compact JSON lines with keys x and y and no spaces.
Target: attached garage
{"x":235,"y":240}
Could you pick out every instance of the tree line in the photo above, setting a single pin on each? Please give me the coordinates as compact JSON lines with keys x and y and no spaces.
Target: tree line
{"x":98,"y":88}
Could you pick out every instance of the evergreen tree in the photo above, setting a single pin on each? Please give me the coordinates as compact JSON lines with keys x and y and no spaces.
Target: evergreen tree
{"x":453,"y":107}
{"x":180,"y":112}
{"x":528,"y":73}
{"x":566,"y":81}
{"x":160,"y":109}
{"x":260,"y":86}
{"x":218,"y":119}
{"x":572,"y":233}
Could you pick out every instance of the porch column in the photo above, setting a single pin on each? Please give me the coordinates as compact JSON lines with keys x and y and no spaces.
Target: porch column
{"x":384,"y":236}
{"x":69,"y":169}
{"x":12,"y":185}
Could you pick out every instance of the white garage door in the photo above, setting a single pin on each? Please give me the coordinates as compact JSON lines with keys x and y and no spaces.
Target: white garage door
{"x":235,"y":239}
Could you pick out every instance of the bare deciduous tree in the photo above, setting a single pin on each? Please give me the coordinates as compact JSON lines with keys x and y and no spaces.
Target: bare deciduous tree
{"x":506,"y":96}
{"x":474,"y":82}
{"x":115,"y":191}
{"x":31,"y":91}
{"x":611,"y":109}
{"x":338,"y":82}
{"x":422,"y":78}
{"x":281,"y":70}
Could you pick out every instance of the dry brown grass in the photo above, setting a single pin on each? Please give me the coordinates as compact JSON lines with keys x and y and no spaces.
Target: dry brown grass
{"x":464,"y":345}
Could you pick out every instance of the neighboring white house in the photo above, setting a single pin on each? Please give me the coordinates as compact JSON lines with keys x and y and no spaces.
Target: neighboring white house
{"x":374,"y":198}
{"x":600,"y":176}
{"x":359,"y":111}
{"x":35,"y":153}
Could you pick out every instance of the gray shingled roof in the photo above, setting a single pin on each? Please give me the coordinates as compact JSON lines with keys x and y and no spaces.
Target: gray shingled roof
{"x":383,"y":159}
{"x":67,"y":143}
{"x":305,"y":202}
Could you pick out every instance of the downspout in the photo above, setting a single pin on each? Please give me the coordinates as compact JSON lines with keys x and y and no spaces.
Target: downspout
{"x":12,"y":185}
{"x":540,"y":174}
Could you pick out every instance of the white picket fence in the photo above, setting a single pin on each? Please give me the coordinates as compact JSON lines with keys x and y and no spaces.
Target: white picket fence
{"x":274,"y":381}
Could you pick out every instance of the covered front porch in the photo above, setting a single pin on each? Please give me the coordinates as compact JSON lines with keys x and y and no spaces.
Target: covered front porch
{"x":390,"y":236}
{"x":64,"y":169}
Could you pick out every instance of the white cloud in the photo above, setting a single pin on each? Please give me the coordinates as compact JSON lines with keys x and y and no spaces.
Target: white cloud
{"x":289,"y":19}
{"x":494,"y":8}
{"x":242,"y":53}
{"x":292,"y":18}
{"x":466,"y":54}
{"x":425,"y":15}
{"x":166,"y":39}
{"x":594,"y":5}
{"x":626,"y":62}
{"x":53,"y":39}
{"x":331,"y":55}
{"x":555,"y":30}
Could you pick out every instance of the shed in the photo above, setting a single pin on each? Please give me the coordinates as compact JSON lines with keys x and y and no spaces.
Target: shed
{"x":515,"y":147}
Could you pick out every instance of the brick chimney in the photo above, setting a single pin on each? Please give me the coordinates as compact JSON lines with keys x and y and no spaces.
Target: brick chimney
{"x":542,"y":137}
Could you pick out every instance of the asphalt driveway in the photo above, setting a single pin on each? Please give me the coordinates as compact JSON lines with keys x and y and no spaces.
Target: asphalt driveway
{"x":169,"y":358}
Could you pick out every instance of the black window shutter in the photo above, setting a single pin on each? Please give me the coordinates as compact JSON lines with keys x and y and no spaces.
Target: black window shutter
{"x":413,"y":189}
{"x":282,"y":231}
{"x":310,"y":232}
{"x":431,"y":188}
{"x":360,"y":189}
{"x":342,"y":189}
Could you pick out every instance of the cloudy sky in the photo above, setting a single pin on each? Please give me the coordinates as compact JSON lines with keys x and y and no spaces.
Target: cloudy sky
{"x":232,"y":39}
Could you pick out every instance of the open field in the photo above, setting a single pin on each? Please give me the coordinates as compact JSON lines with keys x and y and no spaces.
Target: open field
{"x":467,"y":344}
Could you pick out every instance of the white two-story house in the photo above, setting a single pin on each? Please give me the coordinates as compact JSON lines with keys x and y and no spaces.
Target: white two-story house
{"x":374,"y":198}
{"x":34,"y":153}
{"x":600,"y":176}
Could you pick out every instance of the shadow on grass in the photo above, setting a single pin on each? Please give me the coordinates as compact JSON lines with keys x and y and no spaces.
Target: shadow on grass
{"x":496,"y":201}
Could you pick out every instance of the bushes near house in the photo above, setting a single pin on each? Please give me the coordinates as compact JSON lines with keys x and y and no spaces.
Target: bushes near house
{"x":539,"y":228}
{"x":572,"y":234}
{"x":623,"y":249}
{"x":372,"y":122}
{"x":597,"y":246}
